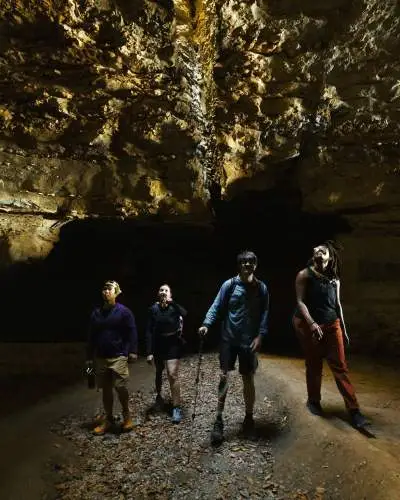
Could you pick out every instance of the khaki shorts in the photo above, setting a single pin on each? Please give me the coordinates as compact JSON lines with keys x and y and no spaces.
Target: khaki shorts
{"x":112,"y":372}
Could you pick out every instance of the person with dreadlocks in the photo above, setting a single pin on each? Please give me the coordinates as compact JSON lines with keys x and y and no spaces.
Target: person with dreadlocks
{"x":320,"y":328}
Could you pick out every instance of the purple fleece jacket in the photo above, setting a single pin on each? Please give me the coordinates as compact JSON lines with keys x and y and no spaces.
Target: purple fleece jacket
{"x":112,"y":332}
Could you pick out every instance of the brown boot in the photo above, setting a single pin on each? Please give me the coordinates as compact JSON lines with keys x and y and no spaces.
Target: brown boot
{"x":127,"y":424}
{"x":103,"y":427}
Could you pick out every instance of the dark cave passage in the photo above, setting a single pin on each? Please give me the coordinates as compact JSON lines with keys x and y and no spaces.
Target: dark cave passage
{"x":51,"y":300}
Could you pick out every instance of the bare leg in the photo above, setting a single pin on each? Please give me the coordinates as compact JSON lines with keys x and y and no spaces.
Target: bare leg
{"x":249,"y":393}
{"x":159,"y":372}
{"x":107,"y":394}
{"x":222,"y":392}
{"x":108,"y":401}
{"x":172,"y":371}
{"x":123,"y":396}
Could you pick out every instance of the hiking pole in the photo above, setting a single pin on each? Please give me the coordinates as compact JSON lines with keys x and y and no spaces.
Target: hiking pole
{"x":196,"y":394}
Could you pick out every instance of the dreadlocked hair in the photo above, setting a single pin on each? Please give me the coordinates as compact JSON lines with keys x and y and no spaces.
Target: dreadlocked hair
{"x":333,"y":268}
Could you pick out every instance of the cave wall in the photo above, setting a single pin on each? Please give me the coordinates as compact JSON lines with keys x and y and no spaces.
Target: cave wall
{"x":166,"y":110}
{"x":308,"y":102}
{"x":101,"y":110}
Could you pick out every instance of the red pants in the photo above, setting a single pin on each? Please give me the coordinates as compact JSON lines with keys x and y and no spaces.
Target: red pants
{"x":331,"y":347}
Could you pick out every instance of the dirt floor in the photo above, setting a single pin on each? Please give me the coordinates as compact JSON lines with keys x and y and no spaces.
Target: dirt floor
{"x":48,"y":451}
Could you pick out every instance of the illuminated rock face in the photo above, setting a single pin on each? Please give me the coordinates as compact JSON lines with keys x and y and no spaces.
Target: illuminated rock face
{"x":102,"y":110}
{"x":123,"y":108}
{"x":308,"y":98}
{"x":135,"y":109}
{"x":319,"y":83}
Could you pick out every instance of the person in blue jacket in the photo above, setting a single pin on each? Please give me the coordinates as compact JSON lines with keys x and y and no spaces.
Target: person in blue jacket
{"x":242,"y":307}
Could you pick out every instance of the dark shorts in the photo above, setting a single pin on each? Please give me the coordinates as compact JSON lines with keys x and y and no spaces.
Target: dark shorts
{"x":168,"y":348}
{"x":228,"y":354}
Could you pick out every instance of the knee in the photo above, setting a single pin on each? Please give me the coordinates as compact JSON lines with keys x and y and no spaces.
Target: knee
{"x":223,"y":381}
{"x":339,"y":368}
{"x":121,"y":390}
{"x":173,"y":375}
{"x":248,"y":379}
{"x":314,"y":363}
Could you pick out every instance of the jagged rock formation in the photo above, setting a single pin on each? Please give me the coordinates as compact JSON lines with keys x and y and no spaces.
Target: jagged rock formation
{"x":146,"y":109}
{"x":102,"y":110}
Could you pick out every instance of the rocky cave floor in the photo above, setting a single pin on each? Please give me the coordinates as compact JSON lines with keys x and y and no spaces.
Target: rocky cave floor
{"x":53,"y":455}
{"x":161,"y":460}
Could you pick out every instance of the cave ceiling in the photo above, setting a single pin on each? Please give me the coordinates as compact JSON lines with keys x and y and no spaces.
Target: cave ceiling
{"x":157,"y":110}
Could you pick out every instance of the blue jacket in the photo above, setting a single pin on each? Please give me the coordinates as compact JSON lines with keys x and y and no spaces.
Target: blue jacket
{"x":243,"y":315}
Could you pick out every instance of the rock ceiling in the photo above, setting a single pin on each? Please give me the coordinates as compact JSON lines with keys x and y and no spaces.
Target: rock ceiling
{"x":136,"y":109}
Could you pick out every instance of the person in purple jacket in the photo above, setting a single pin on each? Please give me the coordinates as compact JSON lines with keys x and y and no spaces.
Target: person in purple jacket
{"x":112,"y":343}
{"x":241,"y":305}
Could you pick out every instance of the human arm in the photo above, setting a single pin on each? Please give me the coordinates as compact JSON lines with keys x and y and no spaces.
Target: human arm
{"x":132,"y":336}
{"x":263,"y":328}
{"x":181,"y":310}
{"x":149,"y":335}
{"x":181,"y":313}
{"x":301,"y":284}
{"x":340,"y":312}
{"x":215,"y":310}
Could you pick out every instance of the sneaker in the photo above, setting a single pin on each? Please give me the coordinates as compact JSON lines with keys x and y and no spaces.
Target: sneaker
{"x":127,"y":425}
{"x":102,"y":428}
{"x":217,"y":434}
{"x":248,"y":426}
{"x":176,"y":415}
{"x":315,"y":408}
{"x":357,"y":419}
{"x":159,"y":403}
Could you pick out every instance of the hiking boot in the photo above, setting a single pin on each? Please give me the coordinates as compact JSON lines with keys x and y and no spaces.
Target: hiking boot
{"x":127,"y":425}
{"x":176,"y":415}
{"x":217,"y":434}
{"x":103,"y":427}
{"x":315,"y":408}
{"x":159,"y":403}
{"x":98,"y":419}
{"x":357,"y":419}
{"x":248,"y":429}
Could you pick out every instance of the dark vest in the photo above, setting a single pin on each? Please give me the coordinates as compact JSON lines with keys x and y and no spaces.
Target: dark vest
{"x":321,"y":298}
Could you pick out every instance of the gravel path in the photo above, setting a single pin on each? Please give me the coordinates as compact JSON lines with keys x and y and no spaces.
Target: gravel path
{"x":161,"y":460}
{"x":49,"y":453}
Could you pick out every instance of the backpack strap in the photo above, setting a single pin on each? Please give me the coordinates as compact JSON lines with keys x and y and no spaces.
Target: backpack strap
{"x":231,"y":289}
{"x":228,"y":295}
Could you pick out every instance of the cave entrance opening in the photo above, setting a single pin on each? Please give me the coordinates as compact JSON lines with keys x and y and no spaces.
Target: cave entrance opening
{"x":52,"y":299}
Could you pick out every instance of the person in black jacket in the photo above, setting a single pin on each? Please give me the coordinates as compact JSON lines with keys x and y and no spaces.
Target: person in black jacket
{"x":164,"y":345}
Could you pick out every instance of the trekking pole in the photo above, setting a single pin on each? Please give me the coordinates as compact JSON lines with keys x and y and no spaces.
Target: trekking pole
{"x":196,"y":394}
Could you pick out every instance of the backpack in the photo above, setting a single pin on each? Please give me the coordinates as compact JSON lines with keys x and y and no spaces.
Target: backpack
{"x":231,"y":289}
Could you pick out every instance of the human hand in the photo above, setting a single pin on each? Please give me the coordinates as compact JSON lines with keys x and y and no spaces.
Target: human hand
{"x":150,"y":359}
{"x":256,"y":344}
{"x":132,"y":357}
{"x":203,"y":330}
{"x":316,"y":331}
